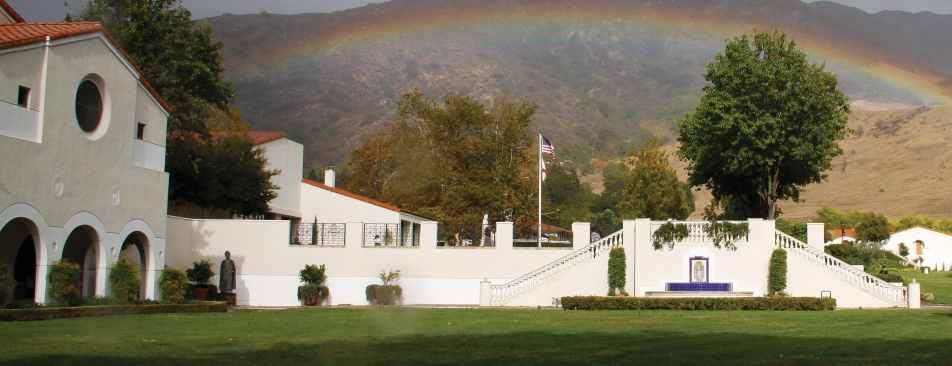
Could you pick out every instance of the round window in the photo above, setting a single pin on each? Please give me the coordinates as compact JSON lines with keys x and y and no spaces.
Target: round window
{"x":88,"y":106}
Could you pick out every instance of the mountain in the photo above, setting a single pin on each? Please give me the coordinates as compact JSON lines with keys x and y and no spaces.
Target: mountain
{"x":606,"y":74}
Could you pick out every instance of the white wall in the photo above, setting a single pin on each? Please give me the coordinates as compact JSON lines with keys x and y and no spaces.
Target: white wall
{"x":332,"y":207}
{"x":288,"y":157}
{"x":805,"y":279}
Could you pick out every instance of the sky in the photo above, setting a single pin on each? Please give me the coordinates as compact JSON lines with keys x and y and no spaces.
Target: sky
{"x":53,"y":10}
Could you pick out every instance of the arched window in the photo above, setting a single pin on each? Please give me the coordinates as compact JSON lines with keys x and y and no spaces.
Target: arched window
{"x":919,"y":246}
{"x":88,"y":106}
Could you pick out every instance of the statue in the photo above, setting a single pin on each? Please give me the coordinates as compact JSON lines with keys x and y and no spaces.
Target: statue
{"x":226,"y":282}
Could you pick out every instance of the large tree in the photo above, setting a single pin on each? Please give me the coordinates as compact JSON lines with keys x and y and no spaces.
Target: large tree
{"x":767,"y":124}
{"x":211,"y":159}
{"x":652,"y":189}
{"x":457,"y":159}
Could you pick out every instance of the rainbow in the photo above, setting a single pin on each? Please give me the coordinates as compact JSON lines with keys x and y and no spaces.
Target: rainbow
{"x":420,"y":27}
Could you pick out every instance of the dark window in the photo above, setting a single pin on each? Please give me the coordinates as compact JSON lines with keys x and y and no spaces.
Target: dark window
{"x":88,"y":106}
{"x":140,"y":131}
{"x":23,"y":98}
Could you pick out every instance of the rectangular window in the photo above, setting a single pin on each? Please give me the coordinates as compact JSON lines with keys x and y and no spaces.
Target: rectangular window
{"x":23,"y":97}
{"x":140,"y":131}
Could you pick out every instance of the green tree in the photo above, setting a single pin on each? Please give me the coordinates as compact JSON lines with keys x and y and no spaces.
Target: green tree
{"x":606,"y":223}
{"x":913,"y":220}
{"x":457,"y":157}
{"x":767,"y":124}
{"x":569,"y":199}
{"x":613,"y":176}
{"x":652,"y":189}
{"x":833,"y":218}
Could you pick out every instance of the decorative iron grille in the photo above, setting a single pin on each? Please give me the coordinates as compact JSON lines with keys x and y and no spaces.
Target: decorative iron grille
{"x":385,"y":235}
{"x":319,"y":234}
{"x":477,"y":235}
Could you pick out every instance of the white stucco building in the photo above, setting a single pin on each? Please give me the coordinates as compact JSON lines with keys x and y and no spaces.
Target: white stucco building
{"x":82,"y":156}
{"x":933,"y":246}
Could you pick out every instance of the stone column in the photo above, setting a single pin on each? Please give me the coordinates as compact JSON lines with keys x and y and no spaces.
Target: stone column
{"x":485,"y":293}
{"x":428,"y":234}
{"x":816,"y":235}
{"x":504,"y":235}
{"x":581,"y":234}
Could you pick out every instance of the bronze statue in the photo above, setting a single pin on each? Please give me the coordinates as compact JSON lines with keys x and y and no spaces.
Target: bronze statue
{"x":226,"y":282}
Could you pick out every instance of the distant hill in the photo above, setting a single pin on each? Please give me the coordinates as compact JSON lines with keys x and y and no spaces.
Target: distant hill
{"x":606,"y":74}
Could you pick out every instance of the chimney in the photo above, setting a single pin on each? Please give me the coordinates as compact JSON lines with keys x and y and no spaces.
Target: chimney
{"x":330,"y":176}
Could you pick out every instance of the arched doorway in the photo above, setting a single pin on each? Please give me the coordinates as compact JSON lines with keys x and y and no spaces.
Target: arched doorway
{"x":135,"y":248}
{"x":18,"y":249}
{"x":80,"y":247}
{"x":919,"y":246}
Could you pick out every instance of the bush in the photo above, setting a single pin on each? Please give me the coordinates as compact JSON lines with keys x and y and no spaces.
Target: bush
{"x":777,"y":273}
{"x":845,"y":252}
{"x":697,"y":303}
{"x":66,"y":281}
{"x":313,"y":274}
{"x":126,"y":281}
{"x":616,"y":271}
{"x":903,"y":250}
{"x":389,"y":293}
{"x":200,"y":272}
{"x":798,"y":230}
{"x":889,"y":277}
{"x":313,"y":278}
{"x":7,"y":282}
{"x":46,"y":313}
{"x":173,"y":285}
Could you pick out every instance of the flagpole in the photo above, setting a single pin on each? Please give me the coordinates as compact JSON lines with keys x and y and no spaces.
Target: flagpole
{"x":539,"y":236}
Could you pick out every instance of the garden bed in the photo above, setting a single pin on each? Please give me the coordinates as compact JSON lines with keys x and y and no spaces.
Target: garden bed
{"x":106,"y":310}
{"x":697,"y":303}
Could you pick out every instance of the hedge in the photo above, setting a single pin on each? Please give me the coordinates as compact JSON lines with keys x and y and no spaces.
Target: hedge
{"x":697,"y":303}
{"x":105,"y":310}
{"x":777,"y":271}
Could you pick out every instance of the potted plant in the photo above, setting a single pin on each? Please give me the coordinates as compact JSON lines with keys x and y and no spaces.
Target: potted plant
{"x":200,"y":272}
{"x":387,"y":294}
{"x":7,"y":282}
{"x":313,"y":292}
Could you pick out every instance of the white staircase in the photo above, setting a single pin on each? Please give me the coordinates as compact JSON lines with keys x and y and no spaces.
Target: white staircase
{"x":866,"y":282}
{"x":506,"y":292}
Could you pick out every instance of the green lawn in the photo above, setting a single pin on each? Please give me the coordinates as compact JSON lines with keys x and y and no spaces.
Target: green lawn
{"x":938,"y":283}
{"x":396,"y":335}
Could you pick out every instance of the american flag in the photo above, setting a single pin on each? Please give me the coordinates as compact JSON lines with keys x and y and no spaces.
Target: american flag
{"x":547,"y":147}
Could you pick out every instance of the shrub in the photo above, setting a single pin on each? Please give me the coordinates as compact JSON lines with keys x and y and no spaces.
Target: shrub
{"x":313,"y":278}
{"x":200,"y":272}
{"x":798,"y":230}
{"x":387,"y":294}
{"x":126,"y":281}
{"x":903,"y":250}
{"x":616,"y":271}
{"x":173,"y":285}
{"x":66,"y":281}
{"x":845,"y":252}
{"x":7,"y":282}
{"x":889,"y":277}
{"x":777,"y":274}
{"x":697,"y":303}
{"x":46,"y":313}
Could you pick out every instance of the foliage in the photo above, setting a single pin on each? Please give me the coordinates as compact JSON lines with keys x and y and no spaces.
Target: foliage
{"x":845,"y":252}
{"x":7,"y":281}
{"x":459,"y":157}
{"x":389,"y":293}
{"x":726,"y":233}
{"x":126,"y":281}
{"x":890,"y":277}
{"x":616,"y":272}
{"x":777,"y":273}
{"x":832,"y":218}
{"x":652,"y":188}
{"x":66,"y":281}
{"x":613,"y":176}
{"x":314,"y":275}
{"x":797,"y":230}
{"x":211,"y":168}
{"x":200,"y":272}
{"x":173,"y":285}
{"x":317,"y":294}
{"x":767,"y":124}
{"x":606,"y":223}
{"x":390,"y":278}
{"x":568,"y":198}
{"x":667,"y":234}
{"x":47,"y":313}
{"x":873,"y":228}
{"x":705,"y":303}
{"x":903,"y":250}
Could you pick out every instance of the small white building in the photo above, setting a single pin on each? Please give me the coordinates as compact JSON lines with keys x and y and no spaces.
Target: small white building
{"x":933,"y":246}
{"x":82,"y":156}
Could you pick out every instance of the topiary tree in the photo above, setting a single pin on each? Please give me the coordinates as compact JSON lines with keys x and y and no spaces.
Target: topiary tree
{"x":66,"y":281}
{"x":777,"y":274}
{"x":314,"y":292}
{"x":616,"y":272}
{"x":126,"y":281}
{"x":173,"y":285}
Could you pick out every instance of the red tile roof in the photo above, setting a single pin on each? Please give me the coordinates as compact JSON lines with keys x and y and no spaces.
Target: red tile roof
{"x":361,"y":198}
{"x":838,"y":233}
{"x":22,"y":34}
{"x":9,"y":10}
{"x":263,"y":137}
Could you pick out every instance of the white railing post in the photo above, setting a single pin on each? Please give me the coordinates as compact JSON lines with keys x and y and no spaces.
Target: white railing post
{"x":913,"y":295}
{"x":485,"y":292}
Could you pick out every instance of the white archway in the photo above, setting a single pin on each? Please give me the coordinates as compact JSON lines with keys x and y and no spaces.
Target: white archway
{"x":36,"y":225}
{"x":148,"y":252}
{"x":97,"y":233}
